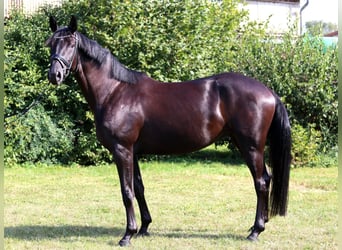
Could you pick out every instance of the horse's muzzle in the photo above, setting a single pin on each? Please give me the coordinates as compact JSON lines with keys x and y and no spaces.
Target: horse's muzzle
{"x":56,"y":74}
{"x":56,"y":78}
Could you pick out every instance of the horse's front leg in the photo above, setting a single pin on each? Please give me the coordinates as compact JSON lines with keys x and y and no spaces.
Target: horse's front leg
{"x":124,"y":162}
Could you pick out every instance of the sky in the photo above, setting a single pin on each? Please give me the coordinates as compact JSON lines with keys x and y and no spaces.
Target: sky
{"x":317,"y":10}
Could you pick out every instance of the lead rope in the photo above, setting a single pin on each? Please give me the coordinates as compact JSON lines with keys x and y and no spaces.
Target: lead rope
{"x":22,"y":112}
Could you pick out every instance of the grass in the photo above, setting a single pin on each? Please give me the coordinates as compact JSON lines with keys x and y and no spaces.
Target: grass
{"x":208,"y":205}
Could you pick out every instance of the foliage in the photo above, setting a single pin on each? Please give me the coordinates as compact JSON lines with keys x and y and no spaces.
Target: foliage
{"x":305,"y":144}
{"x":303,"y":72}
{"x":319,"y":28}
{"x":171,"y":41}
{"x":28,"y":136}
{"x":61,"y":111}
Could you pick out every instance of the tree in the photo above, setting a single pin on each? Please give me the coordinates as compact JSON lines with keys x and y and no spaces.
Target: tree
{"x":319,"y":28}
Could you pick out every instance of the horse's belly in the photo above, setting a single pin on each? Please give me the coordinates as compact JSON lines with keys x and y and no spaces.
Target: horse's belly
{"x":179,"y":140}
{"x":167,"y":147}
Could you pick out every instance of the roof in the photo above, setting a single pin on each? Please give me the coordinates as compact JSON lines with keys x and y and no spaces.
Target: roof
{"x":332,"y":34}
{"x":276,"y":1}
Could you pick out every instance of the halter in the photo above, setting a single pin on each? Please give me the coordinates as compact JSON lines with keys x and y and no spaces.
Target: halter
{"x":65,"y":64}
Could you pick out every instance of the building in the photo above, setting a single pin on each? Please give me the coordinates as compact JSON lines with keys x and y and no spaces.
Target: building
{"x":281,"y":14}
{"x":332,"y":34}
{"x":330,"y":39}
{"x":26,"y":6}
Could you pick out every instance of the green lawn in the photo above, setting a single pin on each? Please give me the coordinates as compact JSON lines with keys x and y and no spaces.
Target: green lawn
{"x":195,"y":204}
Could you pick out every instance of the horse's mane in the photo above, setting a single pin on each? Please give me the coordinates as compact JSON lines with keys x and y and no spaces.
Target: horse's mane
{"x":99,"y":54}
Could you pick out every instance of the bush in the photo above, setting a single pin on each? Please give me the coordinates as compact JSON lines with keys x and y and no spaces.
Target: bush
{"x":171,"y":41}
{"x":62,"y":110}
{"x":36,"y":137}
{"x":303,"y":72}
{"x":305,"y":143}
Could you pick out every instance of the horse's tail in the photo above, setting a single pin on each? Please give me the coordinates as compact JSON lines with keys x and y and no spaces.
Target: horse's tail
{"x":280,"y":159}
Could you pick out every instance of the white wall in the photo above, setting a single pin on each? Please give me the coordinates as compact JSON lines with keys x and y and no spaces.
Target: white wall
{"x":278,"y":14}
{"x":27,"y":6}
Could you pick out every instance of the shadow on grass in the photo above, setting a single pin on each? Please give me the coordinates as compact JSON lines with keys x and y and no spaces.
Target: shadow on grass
{"x":208,"y":155}
{"x":51,"y":232}
{"x":57,"y":232}
{"x":179,"y":234}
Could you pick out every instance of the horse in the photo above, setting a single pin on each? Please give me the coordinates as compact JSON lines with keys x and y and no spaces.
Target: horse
{"x":136,"y":115}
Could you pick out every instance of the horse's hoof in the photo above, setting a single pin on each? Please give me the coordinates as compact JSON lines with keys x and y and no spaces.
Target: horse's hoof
{"x":124,"y":243}
{"x":253,"y":237}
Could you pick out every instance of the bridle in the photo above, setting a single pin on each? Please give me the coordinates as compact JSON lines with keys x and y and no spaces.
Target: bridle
{"x":64,"y":63}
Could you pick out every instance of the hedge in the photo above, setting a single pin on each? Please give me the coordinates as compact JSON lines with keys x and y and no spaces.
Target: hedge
{"x":171,"y":41}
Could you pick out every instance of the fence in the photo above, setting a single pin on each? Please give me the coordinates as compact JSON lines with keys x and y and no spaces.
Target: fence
{"x":26,"y":6}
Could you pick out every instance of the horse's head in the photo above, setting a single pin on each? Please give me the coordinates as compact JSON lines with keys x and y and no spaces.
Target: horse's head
{"x":63,"y":44}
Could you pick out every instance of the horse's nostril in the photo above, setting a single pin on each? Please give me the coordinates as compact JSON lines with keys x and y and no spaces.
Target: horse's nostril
{"x":58,"y":75}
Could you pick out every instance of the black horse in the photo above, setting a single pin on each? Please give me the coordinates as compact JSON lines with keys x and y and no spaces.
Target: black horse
{"x":135,"y":115}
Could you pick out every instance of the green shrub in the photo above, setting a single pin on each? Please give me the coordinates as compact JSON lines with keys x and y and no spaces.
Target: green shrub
{"x":303,"y":73}
{"x":171,"y":41}
{"x":305,"y":143}
{"x":36,"y":137}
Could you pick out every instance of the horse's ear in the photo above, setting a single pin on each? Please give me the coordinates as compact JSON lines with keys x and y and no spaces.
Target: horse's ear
{"x":73,"y":24}
{"x":53,"y":24}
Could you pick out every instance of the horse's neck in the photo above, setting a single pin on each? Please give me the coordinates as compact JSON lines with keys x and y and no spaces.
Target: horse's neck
{"x":95,"y":84}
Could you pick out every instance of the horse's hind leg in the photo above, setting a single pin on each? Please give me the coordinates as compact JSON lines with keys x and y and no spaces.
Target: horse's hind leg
{"x":254,"y":156}
{"x":255,"y":162}
{"x":140,"y":196}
